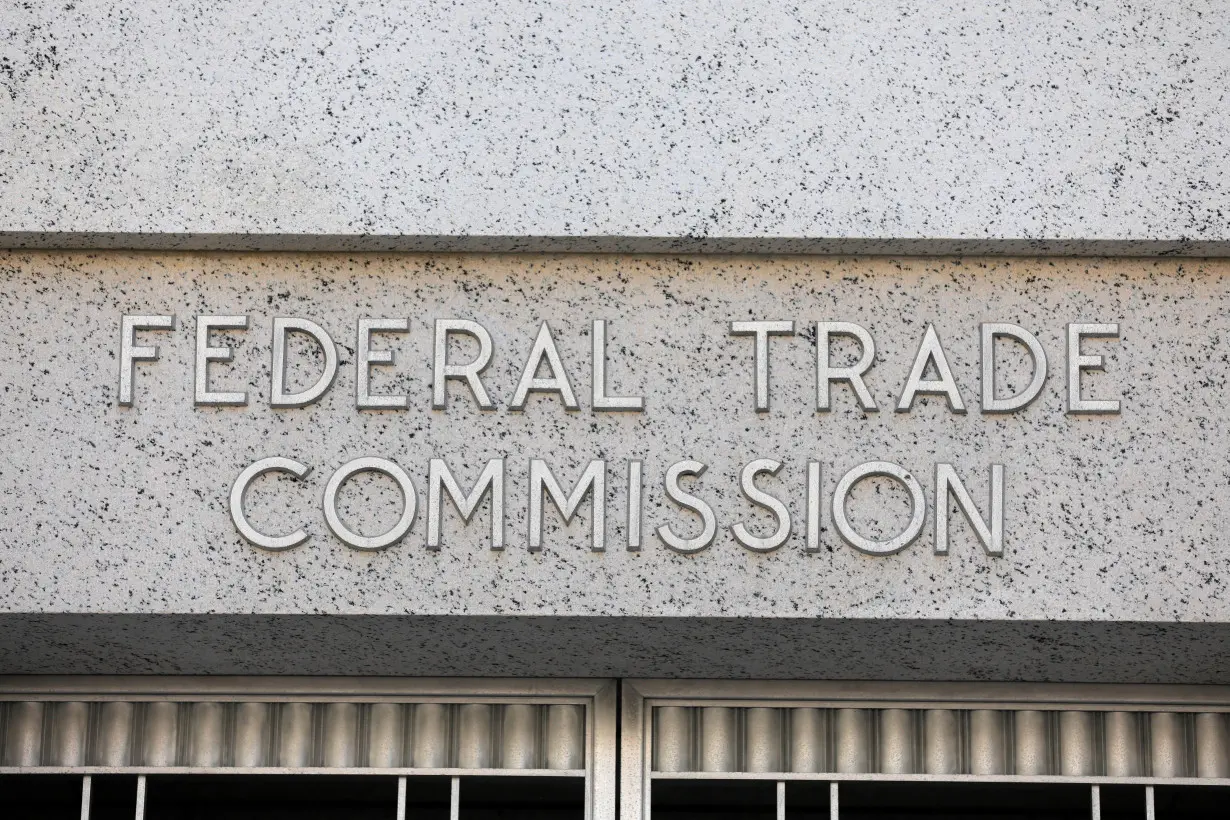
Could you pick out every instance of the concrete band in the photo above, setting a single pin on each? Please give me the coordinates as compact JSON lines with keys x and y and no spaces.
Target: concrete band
{"x":520,"y":646}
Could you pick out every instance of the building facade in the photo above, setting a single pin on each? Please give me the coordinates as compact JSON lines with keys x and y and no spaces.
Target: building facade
{"x":618,"y":411}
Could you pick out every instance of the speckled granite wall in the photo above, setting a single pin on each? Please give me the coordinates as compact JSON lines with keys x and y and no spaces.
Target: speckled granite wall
{"x":1114,"y":535}
{"x":634,"y":125}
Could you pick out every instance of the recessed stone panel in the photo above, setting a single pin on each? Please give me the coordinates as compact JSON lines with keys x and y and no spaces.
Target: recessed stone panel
{"x":127,"y":509}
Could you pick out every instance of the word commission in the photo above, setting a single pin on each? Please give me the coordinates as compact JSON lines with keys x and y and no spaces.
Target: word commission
{"x":930,"y":358}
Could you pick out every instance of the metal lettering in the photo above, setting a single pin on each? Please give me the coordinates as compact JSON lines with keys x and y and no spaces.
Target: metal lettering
{"x":592,"y":482}
{"x":469,"y":373}
{"x":762,"y":330}
{"x":635,"y":504}
{"x":930,"y":350}
{"x":948,"y":484}
{"x":689,"y":502}
{"x":747,"y":482}
{"x":131,"y":352}
{"x":278,"y":395}
{"x":1078,"y":362}
{"x":239,"y":492}
{"x":815,"y":507}
{"x":601,"y":401}
{"x":205,"y":354}
{"x":491,"y":480}
{"x":544,"y":348}
{"x":365,"y":357}
{"x":370,"y":542}
{"x":826,"y":374}
{"x":990,"y":331}
{"x":882,"y":469}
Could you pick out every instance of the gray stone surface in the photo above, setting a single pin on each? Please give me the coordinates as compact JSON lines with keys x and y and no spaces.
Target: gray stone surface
{"x":124,"y":510}
{"x":831,"y":126}
{"x":502,"y":646}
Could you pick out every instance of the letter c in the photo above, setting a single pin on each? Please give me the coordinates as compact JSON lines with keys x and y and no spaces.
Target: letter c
{"x":275,"y":543}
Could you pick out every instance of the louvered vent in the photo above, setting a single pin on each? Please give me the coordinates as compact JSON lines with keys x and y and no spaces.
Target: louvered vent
{"x":206,"y":734}
{"x":941,"y":742}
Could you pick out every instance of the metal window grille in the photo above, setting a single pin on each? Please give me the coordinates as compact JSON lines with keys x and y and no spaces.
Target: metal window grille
{"x":783,"y":733}
{"x":412,"y":730}
{"x":746,"y":749}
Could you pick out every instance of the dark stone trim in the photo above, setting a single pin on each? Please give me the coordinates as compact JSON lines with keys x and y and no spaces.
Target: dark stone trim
{"x":547,"y":646}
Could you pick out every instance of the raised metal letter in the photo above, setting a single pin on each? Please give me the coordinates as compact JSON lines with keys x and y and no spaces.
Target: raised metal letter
{"x":278,"y":395}
{"x":439,"y":478}
{"x":992,"y":331}
{"x":747,"y":482}
{"x":762,"y":330}
{"x":130,"y":352}
{"x":635,"y":504}
{"x":443,"y":371}
{"x":365,"y":357}
{"x":1078,"y":362}
{"x":930,"y":350}
{"x":239,"y":491}
{"x":689,"y":502}
{"x":370,"y":542}
{"x":947,"y":483}
{"x":544,"y":348}
{"x":883,"y":469}
{"x":592,"y":480}
{"x":206,"y":354}
{"x":826,"y":374}
{"x":598,"y":386}
{"x":815,"y":508}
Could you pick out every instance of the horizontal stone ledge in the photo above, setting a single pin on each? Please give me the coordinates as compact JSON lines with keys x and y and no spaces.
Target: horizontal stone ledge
{"x":762,"y":245}
{"x":661,"y":647}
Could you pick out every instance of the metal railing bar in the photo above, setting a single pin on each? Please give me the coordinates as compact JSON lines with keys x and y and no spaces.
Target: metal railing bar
{"x":781,"y":800}
{"x":1150,"y":811}
{"x":454,"y":799}
{"x":1095,"y":803}
{"x":289,"y":770}
{"x":87,"y":786}
{"x":1090,"y":780}
{"x":292,"y":697}
{"x":878,"y":694}
{"x":140,"y":814}
{"x":834,"y":804}
{"x":954,"y":705}
{"x":401,"y":798}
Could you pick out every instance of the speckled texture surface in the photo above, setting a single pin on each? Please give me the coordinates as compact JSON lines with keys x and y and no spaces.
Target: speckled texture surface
{"x":417,"y":124}
{"x":501,"y":646}
{"x":123,"y":510}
